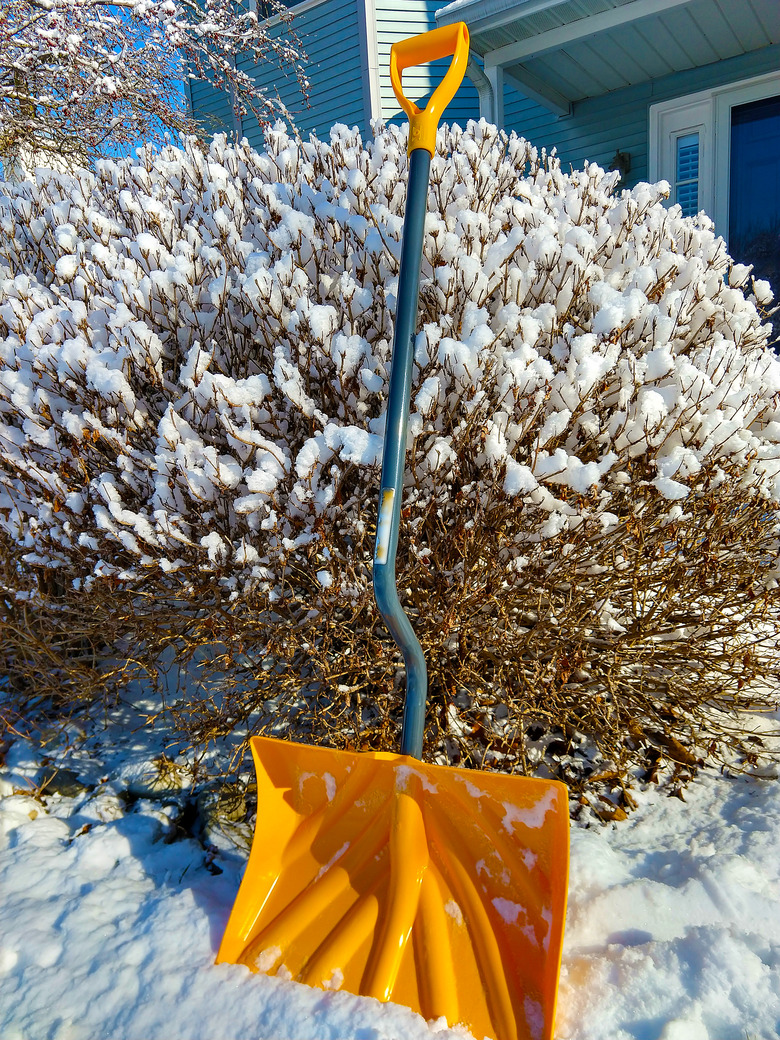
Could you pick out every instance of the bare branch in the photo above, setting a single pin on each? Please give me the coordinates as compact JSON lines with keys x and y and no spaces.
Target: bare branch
{"x":72,"y":69}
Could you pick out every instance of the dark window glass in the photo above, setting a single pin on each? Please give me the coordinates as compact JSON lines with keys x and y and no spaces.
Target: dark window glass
{"x":754,"y":197}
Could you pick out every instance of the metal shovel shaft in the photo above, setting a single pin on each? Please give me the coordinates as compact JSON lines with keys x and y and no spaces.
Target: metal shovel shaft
{"x":394,"y":455}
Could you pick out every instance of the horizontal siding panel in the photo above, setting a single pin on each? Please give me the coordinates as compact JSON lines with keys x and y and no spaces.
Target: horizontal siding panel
{"x":326,"y":68}
{"x":402,"y":13}
{"x":211,"y":107}
{"x":327,"y":19}
{"x":331,"y":104}
{"x":464,"y":106}
{"x":306,"y":125}
{"x":323,"y":32}
{"x":592,"y":136}
{"x":520,"y":113}
{"x":329,"y":33}
{"x":320,"y":117}
{"x":395,"y":22}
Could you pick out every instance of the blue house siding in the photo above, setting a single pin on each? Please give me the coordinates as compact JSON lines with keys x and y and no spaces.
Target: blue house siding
{"x":211,"y":106}
{"x":597,"y":127}
{"x":332,"y":32}
{"x":330,"y":35}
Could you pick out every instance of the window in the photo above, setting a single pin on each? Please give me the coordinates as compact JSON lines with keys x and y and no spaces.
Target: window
{"x":681,"y":151}
{"x":720,"y":152}
{"x":686,"y":181}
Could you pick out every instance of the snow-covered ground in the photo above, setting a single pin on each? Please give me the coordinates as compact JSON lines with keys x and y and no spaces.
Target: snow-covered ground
{"x":111,"y":914}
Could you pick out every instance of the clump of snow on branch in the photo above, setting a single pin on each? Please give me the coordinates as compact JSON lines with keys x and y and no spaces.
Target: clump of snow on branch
{"x":194,"y":360}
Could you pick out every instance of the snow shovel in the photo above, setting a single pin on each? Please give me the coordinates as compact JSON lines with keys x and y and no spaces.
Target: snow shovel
{"x":438,"y":888}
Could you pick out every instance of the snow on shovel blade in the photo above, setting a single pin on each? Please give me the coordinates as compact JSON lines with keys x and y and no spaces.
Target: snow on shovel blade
{"x":438,"y":888}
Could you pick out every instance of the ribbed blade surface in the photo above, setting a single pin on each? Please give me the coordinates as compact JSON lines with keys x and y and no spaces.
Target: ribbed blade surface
{"x":438,"y":888}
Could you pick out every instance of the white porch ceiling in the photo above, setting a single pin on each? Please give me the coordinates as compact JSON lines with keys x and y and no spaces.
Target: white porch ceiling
{"x":561,"y":51}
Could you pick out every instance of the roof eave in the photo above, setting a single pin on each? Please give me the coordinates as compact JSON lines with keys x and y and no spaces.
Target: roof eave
{"x":482,"y":15}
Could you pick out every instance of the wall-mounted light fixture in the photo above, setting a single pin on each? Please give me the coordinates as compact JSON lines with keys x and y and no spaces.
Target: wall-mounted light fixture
{"x":621,"y":161}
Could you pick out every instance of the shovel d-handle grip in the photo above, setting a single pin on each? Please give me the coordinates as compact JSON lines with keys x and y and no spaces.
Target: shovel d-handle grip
{"x":419,"y":50}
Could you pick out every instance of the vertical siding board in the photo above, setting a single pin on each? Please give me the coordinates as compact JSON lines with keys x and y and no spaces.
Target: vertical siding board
{"x":755,"y":23}
{"x":397,"y":19}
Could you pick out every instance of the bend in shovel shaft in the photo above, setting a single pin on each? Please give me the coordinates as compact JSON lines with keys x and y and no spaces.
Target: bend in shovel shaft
{"x":394,"y":456}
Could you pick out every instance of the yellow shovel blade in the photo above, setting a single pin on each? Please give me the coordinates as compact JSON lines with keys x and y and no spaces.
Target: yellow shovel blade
{"x":438,"y":888}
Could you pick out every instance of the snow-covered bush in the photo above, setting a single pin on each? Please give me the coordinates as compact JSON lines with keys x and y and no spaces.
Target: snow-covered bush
{"x":193,"y":364}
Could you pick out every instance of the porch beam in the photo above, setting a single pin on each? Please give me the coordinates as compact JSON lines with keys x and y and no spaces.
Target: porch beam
{"x":536,"y":89}
{"x":495,"y":75}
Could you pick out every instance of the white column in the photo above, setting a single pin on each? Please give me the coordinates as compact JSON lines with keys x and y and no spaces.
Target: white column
{"x":484,"y":90}
{"x":495,"y":74}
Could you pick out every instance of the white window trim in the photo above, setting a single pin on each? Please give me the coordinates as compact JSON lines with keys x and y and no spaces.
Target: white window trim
{"x":668,"y":122}
{"x":707,"y":112}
